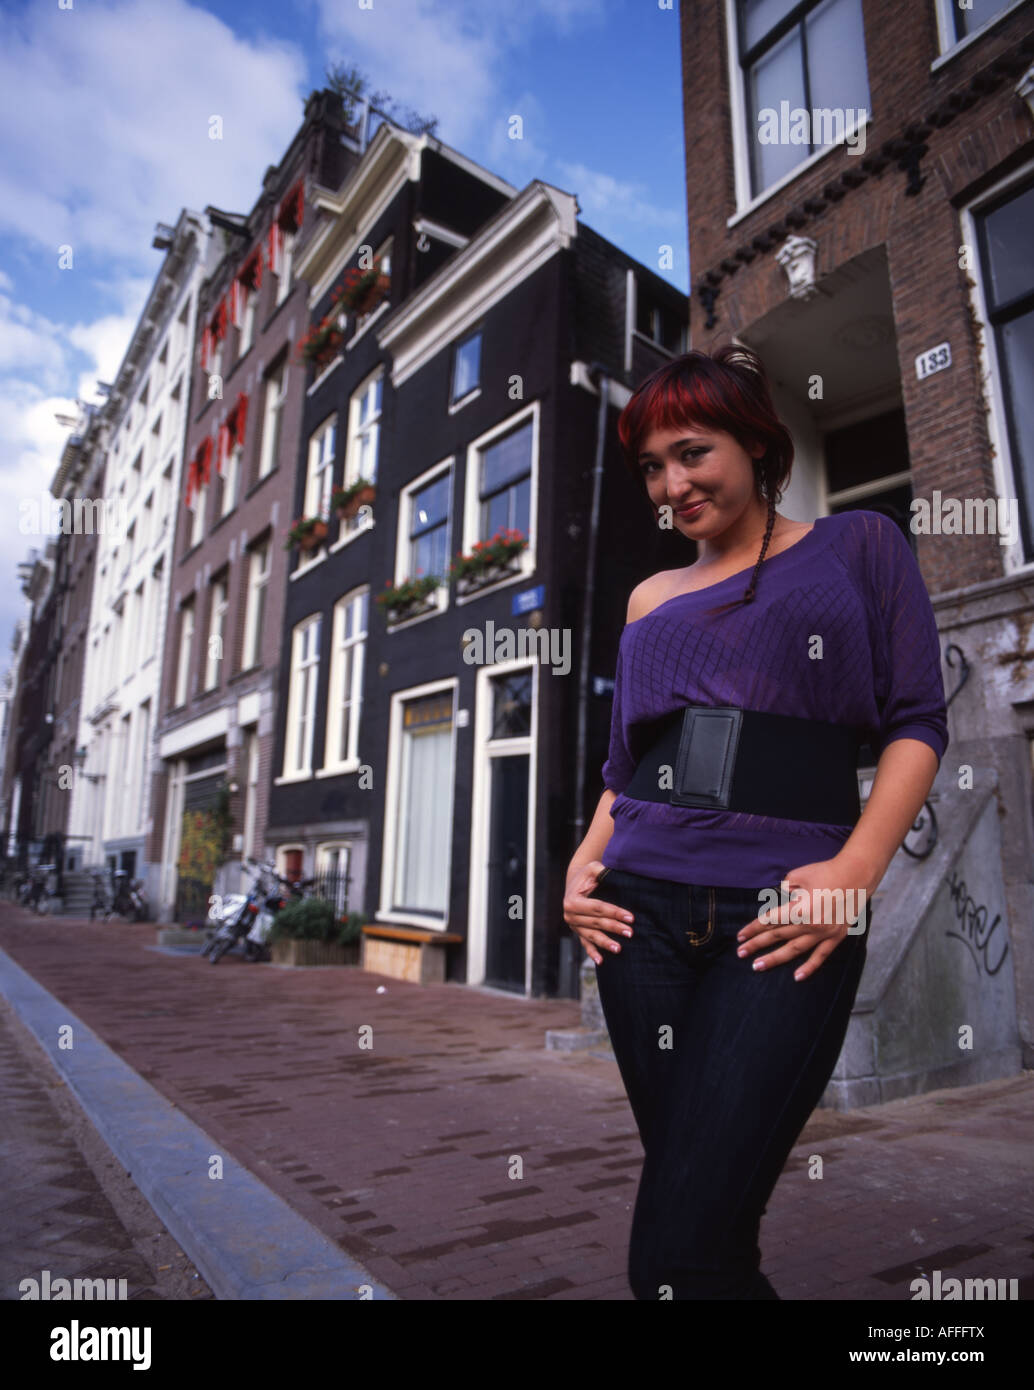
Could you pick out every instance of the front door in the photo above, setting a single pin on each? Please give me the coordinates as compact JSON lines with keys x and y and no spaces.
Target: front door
{"x":507,"y":905}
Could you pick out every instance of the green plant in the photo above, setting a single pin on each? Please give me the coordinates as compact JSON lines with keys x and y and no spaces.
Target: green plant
{"x":495,"y":551}
{"x":409,"y":591}
{"x":302,"y":529}
{"x":305,"y":919}
{"x":341,"y":496}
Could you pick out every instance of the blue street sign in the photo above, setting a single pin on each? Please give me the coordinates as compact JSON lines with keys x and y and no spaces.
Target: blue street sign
{"x":529,"y":599}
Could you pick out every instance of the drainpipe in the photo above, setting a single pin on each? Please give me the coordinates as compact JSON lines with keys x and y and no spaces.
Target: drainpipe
{"x":598,"y":376}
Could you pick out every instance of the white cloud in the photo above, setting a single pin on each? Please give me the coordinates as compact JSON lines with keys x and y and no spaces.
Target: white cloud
{"x":620,"y":199}
{"x":106,"y":113}
{"x":450,"y":60}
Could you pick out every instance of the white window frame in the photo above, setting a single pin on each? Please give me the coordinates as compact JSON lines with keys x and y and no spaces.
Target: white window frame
{"x":219,"y":606}
{"x":405,"y":513}
{"x":186,"y":642}
{"x":248,"y":311}
{"x":369,"y":431}
{"x":301,"y":703}
{"x":319,"y":477}
{"x":470,"y":501}
{"x":390,"y":855}
{"x":746,"y":202}
{"x":197,"y":528}
{"x":231,"y":479}
{"x":455,"y":402}
{"x":335,"y":759}
{"x":252,"y":753}
{"x":947,"y":43}
{"x":285,"y":266}
{"x":258,"y":579}
{"x":363,"y":321}
{"x":991,"y":379}
{"x":274,"y":393}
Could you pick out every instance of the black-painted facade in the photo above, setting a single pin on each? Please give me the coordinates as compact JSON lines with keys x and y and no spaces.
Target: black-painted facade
{"x":572,"y":307}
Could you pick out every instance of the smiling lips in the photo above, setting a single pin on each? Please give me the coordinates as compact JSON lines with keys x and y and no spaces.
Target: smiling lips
{"x":690,"y":512}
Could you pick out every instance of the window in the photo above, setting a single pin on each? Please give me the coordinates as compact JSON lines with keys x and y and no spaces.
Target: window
{"x":155,"y":609}
{"x":805,"y":80}
{"x":143,"y":768}
{"x":346,"y":679}
{"x":428,"y":541}
{"x":197,"y":526}
{"x":180,"y":331}
{"x":216,"y":632}
{"x":381,"y":256}
{"x":332,"y":872}
{"x":183,"y":658}
{"x":1007,"y":275}
{"x":161,"y":370}
{"x":258,"y":583}
{"x":321,"y":469}
{"x":231,"y":478}
{"x":286,"y":267}
{"x":466,"y":367}
{"x":364,"y":422}
{"x":504,"y":484}
{"x":867,"y":465}
{"x":147,"y":524}
{"x":175,"y":412}
{"x":282,"y":234}
{"x":251,"y":773}
{"x":272,"y":417}
{"x":198,"y":477}
{"x":421,"y":861}
{"x":301,"y":711}
{"x":231,"y":448}
{"x":975,"y":15}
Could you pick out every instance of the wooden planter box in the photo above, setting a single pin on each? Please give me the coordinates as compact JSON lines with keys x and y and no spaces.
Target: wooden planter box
{"x":314,"y":953}
{"x":313,"y":539}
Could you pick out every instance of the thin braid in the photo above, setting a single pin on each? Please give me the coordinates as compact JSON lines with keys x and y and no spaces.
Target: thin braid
{"x":748,"y":597}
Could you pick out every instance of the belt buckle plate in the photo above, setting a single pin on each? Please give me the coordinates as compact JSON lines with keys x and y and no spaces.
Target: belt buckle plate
{"x":706,"y":756}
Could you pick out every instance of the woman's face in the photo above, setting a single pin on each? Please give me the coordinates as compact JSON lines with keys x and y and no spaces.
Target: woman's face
{"x":700,"y":465}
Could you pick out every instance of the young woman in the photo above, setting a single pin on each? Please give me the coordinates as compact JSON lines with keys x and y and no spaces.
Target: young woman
{"x":746,"y":684}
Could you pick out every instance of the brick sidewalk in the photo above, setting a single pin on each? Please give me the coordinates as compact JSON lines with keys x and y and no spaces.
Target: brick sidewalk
{"x":401,"y":1153}
{"x":65,"y":1205}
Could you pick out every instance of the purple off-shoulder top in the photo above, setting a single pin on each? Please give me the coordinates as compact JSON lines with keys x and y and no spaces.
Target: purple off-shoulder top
{"x":853,"y":581}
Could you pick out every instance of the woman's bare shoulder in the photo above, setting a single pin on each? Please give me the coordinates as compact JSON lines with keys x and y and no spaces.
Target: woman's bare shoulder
{"x":652,"y":591}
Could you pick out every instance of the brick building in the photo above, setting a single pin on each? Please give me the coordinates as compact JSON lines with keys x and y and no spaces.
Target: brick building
{"x":222,"y":652}
{"x":861,"y":198}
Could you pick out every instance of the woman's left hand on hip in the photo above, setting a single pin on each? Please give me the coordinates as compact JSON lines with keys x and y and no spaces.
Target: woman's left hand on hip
{"x":824,"y":902}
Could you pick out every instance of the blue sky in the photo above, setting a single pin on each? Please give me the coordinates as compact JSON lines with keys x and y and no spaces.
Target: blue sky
{"x":103,"y":126}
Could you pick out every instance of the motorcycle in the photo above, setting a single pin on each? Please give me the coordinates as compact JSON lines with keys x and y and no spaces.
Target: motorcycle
{"x":256,"y":943}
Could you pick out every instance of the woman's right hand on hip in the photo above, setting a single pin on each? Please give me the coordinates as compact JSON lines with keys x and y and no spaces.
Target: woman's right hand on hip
{"x":590,"y":919}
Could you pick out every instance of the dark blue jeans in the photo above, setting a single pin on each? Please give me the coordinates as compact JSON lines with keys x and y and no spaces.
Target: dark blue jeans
{"x":723,"y":1065}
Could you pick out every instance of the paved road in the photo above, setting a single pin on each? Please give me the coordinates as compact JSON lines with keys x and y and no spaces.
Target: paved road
{"x":402,"y":1154}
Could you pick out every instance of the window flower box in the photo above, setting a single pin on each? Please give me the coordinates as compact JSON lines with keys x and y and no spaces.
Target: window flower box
{"x":308,"y":533}
{"x":362,"y":290}
{"x":322,"y":342}
{"x":489,"y":561}
{"x":405,"y":600}
{"x":346,"y":501}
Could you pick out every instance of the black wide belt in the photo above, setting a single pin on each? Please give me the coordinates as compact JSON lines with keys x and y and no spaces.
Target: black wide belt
{"x":762,"y":764}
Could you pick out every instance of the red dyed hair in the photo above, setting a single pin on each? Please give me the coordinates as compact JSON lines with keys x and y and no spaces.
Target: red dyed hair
{"x":725,"y":390}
